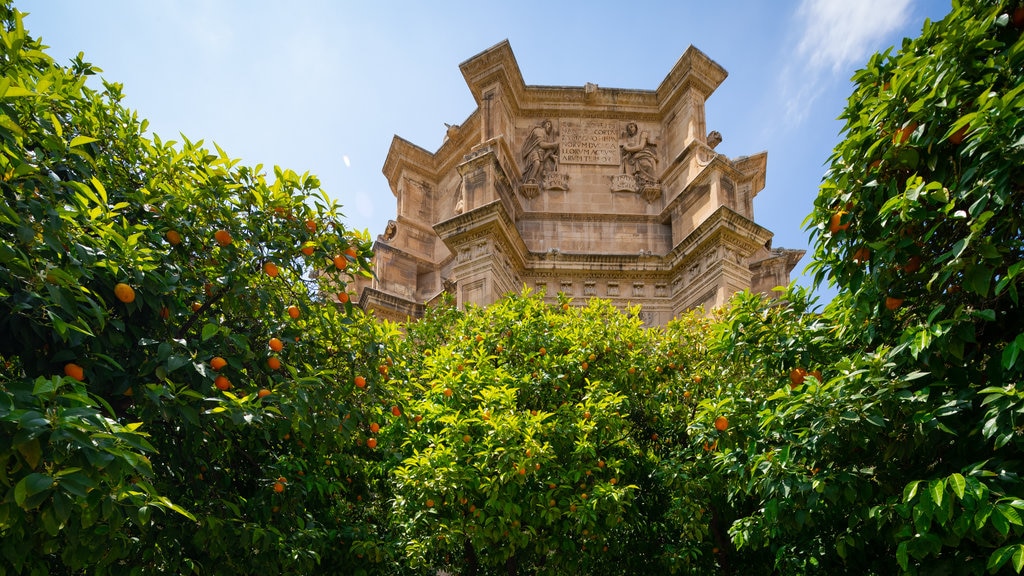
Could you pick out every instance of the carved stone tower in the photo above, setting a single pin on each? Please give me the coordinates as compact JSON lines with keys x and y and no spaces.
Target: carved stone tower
{"x":589,"y":191}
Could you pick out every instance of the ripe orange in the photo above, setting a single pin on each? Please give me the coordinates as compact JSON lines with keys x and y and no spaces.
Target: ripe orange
{"x":222,"y":383}
{"x":173,"y":237}
{"x":72,"y":370}
{"x":613,"y":481}
{"x":165,"y":312}
{"x":293,"y":311}
{"x":360,"y":382}
{"x":263,"y":393}
{"x":957,"y":137}
{"x":697,"y":379}
{"x":217,"y":363}
{"x":222,"y":237}
{"x":902,"y":135}
{"x":586,"y":415}
{"x":467,"y":438}
{"x":350,"y":251}
{"x":721,"y":423}
{"x":343,"y":297}
{"x":542,"y":351}
{"x":836,"y":224}
{"x":600,"y":463}
{"x":913,"y":264}
{"x":371,"y":443}
{"x":448,"y":392}
{"x":270,"y":269}
{"x":124,"y":293}
{"x":892,"y":303}
{"x":687,"y":394}
{"x":396,"y":411}
{"x":274,"y":363}
{"x":565,"y":307}
{"x":631,"y":370}
{"x":374,"y":428}
{"x":430,"y":503}
{"x":311,"y":226}
{"x":417,"y":418}
{"x":861,"y":255}
{"x":796,"y":377}
{"x":278,"y":487}
{"x":340,"y":262}
{"x":307,"y":249}
{"x":276,"y":345}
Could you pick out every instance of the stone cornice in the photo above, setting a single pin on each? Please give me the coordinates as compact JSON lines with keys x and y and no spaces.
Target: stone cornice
{"x":753,"y":168}
{"x":742,"y":232}
{"x":488,"y":220}
{"x":388,"y":305}
{"x":404,"y":154}
{"x":694,"y":69}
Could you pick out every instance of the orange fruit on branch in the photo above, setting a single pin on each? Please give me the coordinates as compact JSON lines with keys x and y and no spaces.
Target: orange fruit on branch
{"x":360,"y":382}
{"x":270,"y":269}
{"x":276,"y":345}
{"x":350,"y":252}
{"x":173,"y":237}
{"x":307,"y":249}
{"x":278,"y":487}
{"x":222,"y":383}
{"x":263,"y":393}
{"x":217,"y":363}
{"x":339,"y":262}
{"x":274,"y":363}
{"x":796,"y":377}
{"x":222,"y":237}
{"x":72,"y":370}
{"x":343,"y":297}
{"x":721,"y":423}
{"x":293,"y":311}
{"x":124,"y":293}
{"x":836,"y":224}
{"x":311,"y":226}
{"x":371,"y":443}
{"x":892,"y":303}
{"x":374,"y":428}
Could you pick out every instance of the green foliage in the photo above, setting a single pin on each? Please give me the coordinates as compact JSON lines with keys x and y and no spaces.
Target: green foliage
{"x":117,"y":451}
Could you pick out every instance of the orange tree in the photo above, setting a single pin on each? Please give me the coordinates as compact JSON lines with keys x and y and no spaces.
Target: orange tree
{"x":173,"y":388}
{"x":904,"y":455}
{"x":531,"y":441}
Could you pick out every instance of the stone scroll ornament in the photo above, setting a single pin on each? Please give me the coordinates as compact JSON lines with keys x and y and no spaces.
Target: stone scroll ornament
{"x":540,"y":157}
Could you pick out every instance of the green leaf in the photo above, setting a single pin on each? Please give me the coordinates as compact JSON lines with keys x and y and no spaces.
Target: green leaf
{"x":957,"y":483}
{"x":209,"y":331}
{"x":910,"y":490}
{"x":82,"y":140}
{"x":29,"y":486}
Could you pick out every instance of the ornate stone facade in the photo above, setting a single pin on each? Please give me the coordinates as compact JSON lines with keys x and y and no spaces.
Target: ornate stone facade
{"x":590,"y":191}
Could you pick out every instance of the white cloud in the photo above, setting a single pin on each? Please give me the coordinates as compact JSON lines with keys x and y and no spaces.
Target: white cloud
{"x":838,"y":33}
{"x":833,"y":38}
{"x":345,"y":159}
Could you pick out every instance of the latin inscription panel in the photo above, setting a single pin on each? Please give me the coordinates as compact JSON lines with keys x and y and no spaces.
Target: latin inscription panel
{"x":588,"y":141}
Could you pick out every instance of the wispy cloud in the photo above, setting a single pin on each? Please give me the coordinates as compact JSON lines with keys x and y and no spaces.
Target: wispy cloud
{"x":837,"y":33}
{"x":834,"y":36}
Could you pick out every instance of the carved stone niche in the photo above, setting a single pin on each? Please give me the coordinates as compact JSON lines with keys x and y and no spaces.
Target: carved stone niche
{"x":556,"y":181}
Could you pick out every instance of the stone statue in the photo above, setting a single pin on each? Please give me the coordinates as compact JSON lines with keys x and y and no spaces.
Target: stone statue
{"x":638,"y":155}
{"x":540,"y":153}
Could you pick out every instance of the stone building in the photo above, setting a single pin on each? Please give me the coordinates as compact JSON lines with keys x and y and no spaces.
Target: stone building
{"x":590,"y":191}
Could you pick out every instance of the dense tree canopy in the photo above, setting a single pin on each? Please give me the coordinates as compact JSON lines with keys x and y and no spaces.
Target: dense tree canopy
{"x":185,"y":386}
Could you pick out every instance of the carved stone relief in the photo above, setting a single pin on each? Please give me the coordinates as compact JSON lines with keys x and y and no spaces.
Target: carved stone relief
{"x":639,"y":160}
{"x":539,"y":155}
{"x":613,"y":289}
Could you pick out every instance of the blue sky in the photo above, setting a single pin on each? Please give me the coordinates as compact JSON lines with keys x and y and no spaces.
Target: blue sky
{"x":323,"y":86}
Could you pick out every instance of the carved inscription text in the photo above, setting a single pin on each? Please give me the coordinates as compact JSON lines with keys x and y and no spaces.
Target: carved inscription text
{"x":589,"y":142}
